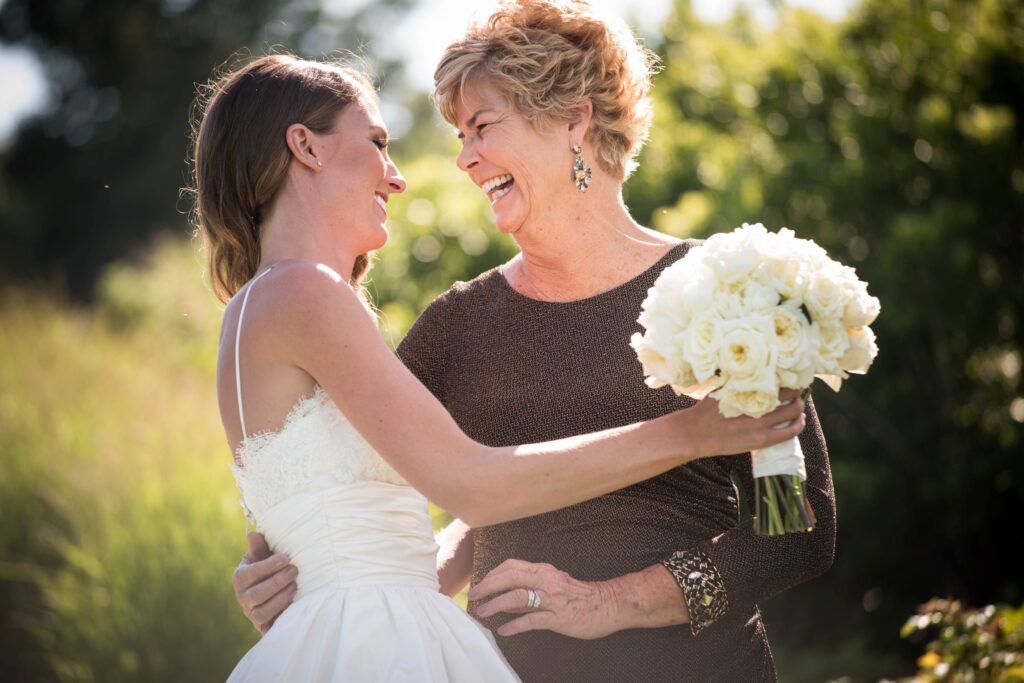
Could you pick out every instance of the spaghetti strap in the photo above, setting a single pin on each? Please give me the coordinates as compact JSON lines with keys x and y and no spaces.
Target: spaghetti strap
{"x":238,"y":336}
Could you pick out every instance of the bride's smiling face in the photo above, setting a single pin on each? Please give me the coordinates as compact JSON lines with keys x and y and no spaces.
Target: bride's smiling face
{"x":356,"y":175}
{"x":521,"y":168}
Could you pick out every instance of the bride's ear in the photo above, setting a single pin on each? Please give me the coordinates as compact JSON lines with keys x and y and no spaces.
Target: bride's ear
{"x":302,"y":143}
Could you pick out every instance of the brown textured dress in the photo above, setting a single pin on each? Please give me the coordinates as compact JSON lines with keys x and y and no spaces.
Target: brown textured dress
{"x":513,"y":370}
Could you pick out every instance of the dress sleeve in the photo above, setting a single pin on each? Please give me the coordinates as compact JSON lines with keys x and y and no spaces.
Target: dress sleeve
{"x":424,"y":350}
{"x":740,"y":568}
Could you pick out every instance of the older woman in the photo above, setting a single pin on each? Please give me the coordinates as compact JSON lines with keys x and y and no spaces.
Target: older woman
{"x":657,"y":581}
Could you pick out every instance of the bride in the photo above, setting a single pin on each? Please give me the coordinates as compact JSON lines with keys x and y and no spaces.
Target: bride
{"x":336,"y":442}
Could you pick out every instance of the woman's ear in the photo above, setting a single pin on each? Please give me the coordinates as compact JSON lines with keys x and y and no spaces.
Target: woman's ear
{"x":579,"y":124}
{"x":301,"y":141}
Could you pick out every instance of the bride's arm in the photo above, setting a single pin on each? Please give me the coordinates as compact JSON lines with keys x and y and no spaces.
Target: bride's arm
{"x":332,"y":336}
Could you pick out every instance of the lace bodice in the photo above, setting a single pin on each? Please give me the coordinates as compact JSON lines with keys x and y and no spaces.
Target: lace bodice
{"x":317,"y":448}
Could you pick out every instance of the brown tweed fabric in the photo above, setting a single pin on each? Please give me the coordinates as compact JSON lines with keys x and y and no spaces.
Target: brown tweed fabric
{"x":513,"y":370}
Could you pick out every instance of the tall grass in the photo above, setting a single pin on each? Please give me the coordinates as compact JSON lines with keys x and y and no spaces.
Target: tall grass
{"x":119,"y":520}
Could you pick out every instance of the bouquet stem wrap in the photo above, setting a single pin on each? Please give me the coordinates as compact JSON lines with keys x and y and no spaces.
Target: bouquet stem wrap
{"x":780,"y":506}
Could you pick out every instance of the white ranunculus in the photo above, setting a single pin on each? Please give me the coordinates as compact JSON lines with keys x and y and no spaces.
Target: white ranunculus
{"x":748,"y":347}
{"x":862,"y":351}
{"x":701,"y":342}
{"x":824,"y":298}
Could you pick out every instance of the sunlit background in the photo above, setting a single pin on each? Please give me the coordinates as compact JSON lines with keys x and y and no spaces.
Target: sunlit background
{"x":890,"y":132}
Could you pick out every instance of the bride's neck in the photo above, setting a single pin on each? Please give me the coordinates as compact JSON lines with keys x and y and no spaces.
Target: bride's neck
{"x":299,"y":233}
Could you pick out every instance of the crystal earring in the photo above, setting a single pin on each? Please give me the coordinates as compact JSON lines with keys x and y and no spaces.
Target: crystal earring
{"x":581,"y":173}
{"x":319,"y":164}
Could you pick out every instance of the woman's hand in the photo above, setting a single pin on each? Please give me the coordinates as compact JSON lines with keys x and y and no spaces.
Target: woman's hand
{"x":264,"y":583}
{"x":709,"y":433}
{"x":578,"y":609}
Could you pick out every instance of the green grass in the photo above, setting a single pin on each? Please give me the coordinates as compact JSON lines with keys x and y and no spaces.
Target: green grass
{"x":119,"y":518}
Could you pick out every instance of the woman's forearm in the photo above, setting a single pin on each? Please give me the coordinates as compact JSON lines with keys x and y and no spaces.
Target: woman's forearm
{"x":485,"y":486}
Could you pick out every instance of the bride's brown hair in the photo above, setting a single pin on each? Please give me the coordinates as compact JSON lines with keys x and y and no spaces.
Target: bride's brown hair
{"x":240,"y":159}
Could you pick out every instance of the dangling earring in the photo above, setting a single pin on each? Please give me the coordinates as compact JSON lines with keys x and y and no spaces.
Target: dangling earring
{"x":580,"y":172}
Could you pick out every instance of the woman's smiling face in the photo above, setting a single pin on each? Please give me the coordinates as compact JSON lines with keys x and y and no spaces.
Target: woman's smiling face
{"x":520,"y":167}
{"x":358,"y":175}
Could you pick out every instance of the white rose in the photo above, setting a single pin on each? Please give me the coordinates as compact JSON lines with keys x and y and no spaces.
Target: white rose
{"x":701,"y":342}
{"x":734,"y":256}
{"x":797,"y":343}
{"x":835,"y":340}
{"x":655,"y":365}
{"x":758,"y":297}
{"x":728,"y":302}
{"x":663,"y":315}
{"x":784,"y":273}
{"x":824,"y":298}
{"x":662,"y":362}
{"x":699,"y":291}
{"x":734,"y":402}
{"x":747,"y":349}
{"x":862,"y":351}
{"x":861,"y":309}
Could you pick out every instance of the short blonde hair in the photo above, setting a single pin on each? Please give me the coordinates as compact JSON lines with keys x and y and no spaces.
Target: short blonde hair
{"x":548,"y":57}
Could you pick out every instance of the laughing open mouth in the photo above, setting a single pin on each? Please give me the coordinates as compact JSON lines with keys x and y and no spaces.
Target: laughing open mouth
{"x":498,"y":187}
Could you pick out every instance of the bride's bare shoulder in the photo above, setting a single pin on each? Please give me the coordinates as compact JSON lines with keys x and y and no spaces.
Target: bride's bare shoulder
{"x":291,"y":298}
{"x":294,"y":287}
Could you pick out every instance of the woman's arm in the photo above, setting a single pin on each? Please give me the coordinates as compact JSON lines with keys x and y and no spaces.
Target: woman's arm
{"x":330,"y":335}
{"x":734,"y":571}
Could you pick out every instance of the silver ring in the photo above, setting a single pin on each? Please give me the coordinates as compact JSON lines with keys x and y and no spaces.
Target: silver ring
{"x":532,"y":599}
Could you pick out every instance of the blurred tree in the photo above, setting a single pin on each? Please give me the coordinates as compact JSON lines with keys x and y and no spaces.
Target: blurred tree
{"x":895,"y":140}
{"x":97,"y":173}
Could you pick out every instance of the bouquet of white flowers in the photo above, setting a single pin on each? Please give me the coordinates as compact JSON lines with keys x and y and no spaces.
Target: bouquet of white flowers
{"x":749,"y":313}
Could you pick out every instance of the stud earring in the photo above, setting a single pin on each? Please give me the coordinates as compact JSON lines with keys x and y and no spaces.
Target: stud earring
{"x":581,"y":173}
{"x":319,"y":163}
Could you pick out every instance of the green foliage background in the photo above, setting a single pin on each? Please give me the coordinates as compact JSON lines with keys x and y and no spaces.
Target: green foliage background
{"x":893,"y":137}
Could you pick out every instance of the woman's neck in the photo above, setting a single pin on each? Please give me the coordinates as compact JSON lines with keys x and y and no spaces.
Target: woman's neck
{"x":293,"y":232}
{"x":582,"y":248}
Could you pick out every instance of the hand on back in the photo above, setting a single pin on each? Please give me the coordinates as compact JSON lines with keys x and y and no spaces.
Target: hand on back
{"x":264,"y":583}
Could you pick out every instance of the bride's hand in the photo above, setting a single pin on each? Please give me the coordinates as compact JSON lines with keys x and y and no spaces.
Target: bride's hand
{"x":264,"y":583}
{"x":709,"y":433}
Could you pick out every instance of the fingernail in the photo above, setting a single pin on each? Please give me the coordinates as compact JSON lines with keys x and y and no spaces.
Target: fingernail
{"x":502,"y":631}
{"x":473,"y":592}
{"x":280,"y":560}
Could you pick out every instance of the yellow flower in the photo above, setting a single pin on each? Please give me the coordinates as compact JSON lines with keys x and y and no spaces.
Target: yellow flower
{"x":929,"y":660}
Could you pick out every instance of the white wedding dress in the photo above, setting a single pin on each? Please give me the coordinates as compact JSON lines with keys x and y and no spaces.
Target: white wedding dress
{"x":367,"y":607}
